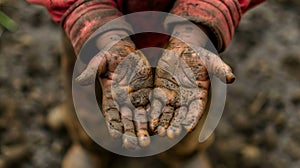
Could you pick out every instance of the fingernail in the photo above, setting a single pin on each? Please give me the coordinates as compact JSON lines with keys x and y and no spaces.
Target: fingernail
{"x":230,"y":77}
{"x":129,"y":141}
{"x":144,"y":139}
{"x":161,"y":131}
{"x":172,"y":132}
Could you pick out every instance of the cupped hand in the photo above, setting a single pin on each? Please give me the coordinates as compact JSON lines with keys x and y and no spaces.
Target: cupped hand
{"x":182,"y":84}
{"x":126,"y":81}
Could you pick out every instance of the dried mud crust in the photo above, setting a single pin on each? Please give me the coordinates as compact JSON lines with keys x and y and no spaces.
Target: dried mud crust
{"x":126,"y":82}
{"x":181,"y":87}
{"x":180,"y":93}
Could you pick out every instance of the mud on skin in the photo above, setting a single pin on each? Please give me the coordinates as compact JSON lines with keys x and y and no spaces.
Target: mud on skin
{"x":126,"y":81}
{"x":181,"y":87}
{"x":178,"y":97}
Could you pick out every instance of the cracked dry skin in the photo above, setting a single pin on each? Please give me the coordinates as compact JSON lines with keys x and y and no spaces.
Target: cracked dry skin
{"x":177,"y":101}
{"x":181,"y":87}
{"x":126,"y":80}
{"x":180,"y":94}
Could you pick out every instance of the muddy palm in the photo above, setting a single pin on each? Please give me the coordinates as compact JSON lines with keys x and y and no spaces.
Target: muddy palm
{"x":182,"y":82}
{"x":126,"y":80}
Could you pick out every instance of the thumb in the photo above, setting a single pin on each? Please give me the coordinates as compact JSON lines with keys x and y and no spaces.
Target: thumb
{"x":216,"y":65}
{"x":96,"y":65}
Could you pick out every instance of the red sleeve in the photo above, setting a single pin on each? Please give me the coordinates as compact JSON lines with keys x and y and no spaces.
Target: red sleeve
{"x":81,"y":18}
{"x":56,"y":8}
{"x":221,"y":17}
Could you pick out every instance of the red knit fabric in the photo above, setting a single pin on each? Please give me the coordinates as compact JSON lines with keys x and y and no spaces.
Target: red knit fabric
{"x":221,"y":17}
{"x":85,"y":17}
{"x":80,"y":18}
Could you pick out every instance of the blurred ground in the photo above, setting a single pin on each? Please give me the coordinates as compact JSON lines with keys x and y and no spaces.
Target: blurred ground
{"x":261,"y":123}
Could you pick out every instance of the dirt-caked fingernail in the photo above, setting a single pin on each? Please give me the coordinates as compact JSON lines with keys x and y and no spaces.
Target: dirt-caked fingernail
{"x":144,"y":138}
{"x":230,"y":77}
{"x":130,"y":141}
{"x":161,"y":131}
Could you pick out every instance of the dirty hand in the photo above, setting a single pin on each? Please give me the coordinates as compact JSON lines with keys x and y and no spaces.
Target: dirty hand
{"x":182,"y":82}
{"x":126,"y":81}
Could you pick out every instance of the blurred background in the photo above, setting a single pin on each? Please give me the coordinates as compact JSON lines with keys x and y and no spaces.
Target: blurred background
{"x":260,"y":126}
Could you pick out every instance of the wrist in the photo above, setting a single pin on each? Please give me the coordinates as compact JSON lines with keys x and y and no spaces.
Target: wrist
{"x":193,"y":34}
{"x":113,"y":36}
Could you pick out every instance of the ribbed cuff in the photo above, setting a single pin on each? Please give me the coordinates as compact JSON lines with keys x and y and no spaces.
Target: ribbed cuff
{"x":220,"y":17}
{"x":83,"y":18}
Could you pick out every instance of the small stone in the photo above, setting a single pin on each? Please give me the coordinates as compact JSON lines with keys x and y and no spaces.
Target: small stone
{"x":251,"y":155}
{"x":55,"y":117}
{"x":79,"y":157}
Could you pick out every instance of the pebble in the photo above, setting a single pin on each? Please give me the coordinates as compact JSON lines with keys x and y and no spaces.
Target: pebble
{"x":251,"y":155}
{"x":55,"y":117}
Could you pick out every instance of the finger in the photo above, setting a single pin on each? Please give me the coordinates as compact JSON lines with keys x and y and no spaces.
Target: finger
{"x":129,"y":137}
{"x":112,"y":115}
{"x":195,"y":111}
{"x":175,"y":127}
{"x":114,"y":124}
{"x":215,"y":65}
{"x":96,"y":65}
{"x":155,"y":111}
{"x":140,"y":121}
{"x":164,"y":121}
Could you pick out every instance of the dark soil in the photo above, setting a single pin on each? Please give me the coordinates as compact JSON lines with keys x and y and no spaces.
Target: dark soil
{"x":260,"y":125}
